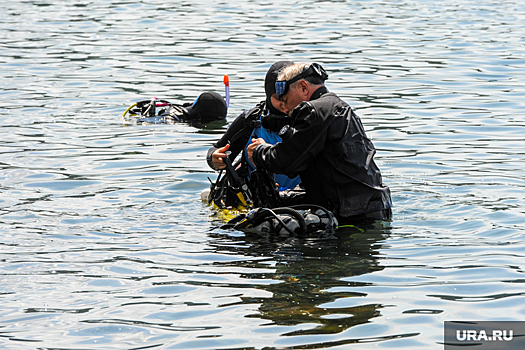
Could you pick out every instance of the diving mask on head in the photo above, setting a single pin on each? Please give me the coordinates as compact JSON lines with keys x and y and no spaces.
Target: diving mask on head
{"x":282,"y":87}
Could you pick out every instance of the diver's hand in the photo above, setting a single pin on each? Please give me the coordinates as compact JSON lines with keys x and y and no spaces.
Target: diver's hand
{"x":252,"y":147}
{"x":218,"y":156}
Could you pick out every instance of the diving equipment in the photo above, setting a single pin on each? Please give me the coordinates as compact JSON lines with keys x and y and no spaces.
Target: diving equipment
{"x":207,"y":107}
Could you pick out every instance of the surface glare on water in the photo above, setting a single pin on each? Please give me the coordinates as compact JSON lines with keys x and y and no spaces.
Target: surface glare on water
{"x":106,"y":245}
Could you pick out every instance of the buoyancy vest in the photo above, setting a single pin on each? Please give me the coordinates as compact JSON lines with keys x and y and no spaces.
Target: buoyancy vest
{"x":271,"y":137}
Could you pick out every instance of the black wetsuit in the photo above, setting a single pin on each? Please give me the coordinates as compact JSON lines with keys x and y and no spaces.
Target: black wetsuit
{"x":239,"y":132}
{"x":331,"y":152}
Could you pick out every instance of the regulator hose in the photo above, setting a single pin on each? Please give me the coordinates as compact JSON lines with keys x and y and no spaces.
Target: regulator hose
{"x":261,"y":214}
{"x":331,"y":218}
{"x":127,"y":110}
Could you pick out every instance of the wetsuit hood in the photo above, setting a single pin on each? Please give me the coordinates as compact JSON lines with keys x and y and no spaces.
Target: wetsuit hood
{"x":269,"y":84}
{"x":207,"y":107}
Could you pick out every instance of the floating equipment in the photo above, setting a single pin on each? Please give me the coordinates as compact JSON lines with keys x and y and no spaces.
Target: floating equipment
{"x":293,"y":220}
{"x":208,"y":106}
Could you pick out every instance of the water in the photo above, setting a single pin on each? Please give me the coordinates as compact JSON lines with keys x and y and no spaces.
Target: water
{"x":106,"y":245}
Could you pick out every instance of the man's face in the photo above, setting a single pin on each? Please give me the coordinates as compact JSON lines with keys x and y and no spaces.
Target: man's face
{"x":276,"y":103}
{"x":295,"y":95}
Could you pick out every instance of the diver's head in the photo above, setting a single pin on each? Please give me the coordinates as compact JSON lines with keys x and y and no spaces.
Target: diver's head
{"x":297,"y":83}
{"x":272,"y":102}
{"x":207,"y":107}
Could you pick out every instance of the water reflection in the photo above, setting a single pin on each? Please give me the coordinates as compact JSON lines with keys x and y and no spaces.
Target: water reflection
{"x":307,"y":276}
{"x":104,"y":241}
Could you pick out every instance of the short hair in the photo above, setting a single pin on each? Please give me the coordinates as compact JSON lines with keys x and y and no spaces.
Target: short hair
{"x":289,"y":72}
{"x":294,"y":70}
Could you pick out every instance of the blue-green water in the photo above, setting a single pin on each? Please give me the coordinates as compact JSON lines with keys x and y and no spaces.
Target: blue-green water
{"x":104,"y":243}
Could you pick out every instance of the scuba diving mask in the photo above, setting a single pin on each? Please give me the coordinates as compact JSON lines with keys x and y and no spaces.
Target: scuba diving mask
{"x":282,"y":87}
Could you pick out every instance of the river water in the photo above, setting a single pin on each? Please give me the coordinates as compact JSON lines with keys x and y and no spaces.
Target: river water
{"x":105,"y":244}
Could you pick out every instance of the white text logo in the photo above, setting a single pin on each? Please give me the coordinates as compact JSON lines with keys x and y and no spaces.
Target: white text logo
{"x":496,"y":335}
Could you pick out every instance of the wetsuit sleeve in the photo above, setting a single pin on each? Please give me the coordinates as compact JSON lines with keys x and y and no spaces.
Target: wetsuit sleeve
{"x":209,"y":158}
{"x":293,"y":155}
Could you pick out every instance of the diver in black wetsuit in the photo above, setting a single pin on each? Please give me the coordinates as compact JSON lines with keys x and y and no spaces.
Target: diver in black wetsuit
{"x":327,"y":146}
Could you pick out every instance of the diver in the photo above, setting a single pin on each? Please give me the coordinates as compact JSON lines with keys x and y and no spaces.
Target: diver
{"x":327,"y":146}
{"x":208,"y":106}
{"x":263,"y":121}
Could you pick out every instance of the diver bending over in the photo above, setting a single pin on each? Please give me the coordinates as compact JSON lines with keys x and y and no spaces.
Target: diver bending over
{"x":327,"y":146}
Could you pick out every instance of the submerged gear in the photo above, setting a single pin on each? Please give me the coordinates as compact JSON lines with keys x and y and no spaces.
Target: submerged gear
{"x":293,"y":220}
{"x":331,"y":152}
{"x":207,"y":107}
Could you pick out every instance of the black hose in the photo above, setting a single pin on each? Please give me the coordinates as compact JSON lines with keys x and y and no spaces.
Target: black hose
{"x":310,"y":206}
{"x":263,"y":213}
{"x":295,"y":214}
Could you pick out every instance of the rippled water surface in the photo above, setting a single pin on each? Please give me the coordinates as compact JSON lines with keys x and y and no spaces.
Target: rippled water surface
{"x":105,"y":244}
